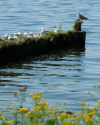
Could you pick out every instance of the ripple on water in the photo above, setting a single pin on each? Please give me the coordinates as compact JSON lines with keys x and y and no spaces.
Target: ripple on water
{"x":64,"y":76}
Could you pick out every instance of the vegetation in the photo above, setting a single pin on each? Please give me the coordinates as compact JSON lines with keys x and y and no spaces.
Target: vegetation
{"x":78,"y":21}
{"x":51,"y":33}
{"x":60,"y":28}
{"x":43,"y":114}
{"x":70,"y":31}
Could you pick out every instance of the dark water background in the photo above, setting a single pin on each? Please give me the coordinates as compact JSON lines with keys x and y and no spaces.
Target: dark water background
{"x":64,"y":76}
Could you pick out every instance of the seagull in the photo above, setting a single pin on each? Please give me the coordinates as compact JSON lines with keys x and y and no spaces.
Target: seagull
{"x":36,"y":35}
{"x":17,"y":34}
{"x":6,"y":35}
{"x":10,"y":38}
{"x":31,"y":33}
{"x":13,"y":38}
{"x":1,"y":38}
{"x":42,"y":32}
{"x":16,"y":37}
{"x":81,"y":16}
{"x":25,"y":34}
{"x":56,"y":30}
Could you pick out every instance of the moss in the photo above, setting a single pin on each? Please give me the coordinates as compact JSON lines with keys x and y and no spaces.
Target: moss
{"x":70,"y":31}
{"x":78,"y":21}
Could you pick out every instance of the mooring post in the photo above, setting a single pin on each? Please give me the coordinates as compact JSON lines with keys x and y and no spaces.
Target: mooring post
{"x":77,"y":25}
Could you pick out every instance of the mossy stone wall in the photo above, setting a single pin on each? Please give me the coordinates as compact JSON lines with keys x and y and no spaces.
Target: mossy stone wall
{"x":38,"y":46}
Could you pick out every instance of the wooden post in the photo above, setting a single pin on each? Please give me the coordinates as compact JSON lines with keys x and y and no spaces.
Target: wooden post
{"x":77,"y":25}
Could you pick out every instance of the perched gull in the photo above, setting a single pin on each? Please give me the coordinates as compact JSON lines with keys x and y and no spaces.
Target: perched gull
{"x":13,"y":38}
{"x":17,"y":34}
{"x":81,"y":16}
{"x":10,"y":38}
{"x":56,"y":30}
{"x":36,"y":35}
{"x":1,"y":38}
{"x":16,"y":37}
{"x":31,"y":33}
{"x":25,"y":34}
{"x":42,"y":32}
{"x":6,"y":35}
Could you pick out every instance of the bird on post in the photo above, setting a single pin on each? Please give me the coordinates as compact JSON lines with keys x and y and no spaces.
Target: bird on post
{"x":81,"y":17}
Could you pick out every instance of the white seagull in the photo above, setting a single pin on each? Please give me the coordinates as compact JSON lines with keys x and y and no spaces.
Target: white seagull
{"x":17,"y":34}
{"x":1,"y":38}
{"x":81,"y":16}
{"x":42,"y":32}
{"x":13,"y":38}
{"x":56,"y":30}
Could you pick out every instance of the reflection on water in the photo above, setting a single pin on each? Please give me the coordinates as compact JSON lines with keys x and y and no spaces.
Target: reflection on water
{"x":63,"y":76}
{"x":53,"y":74}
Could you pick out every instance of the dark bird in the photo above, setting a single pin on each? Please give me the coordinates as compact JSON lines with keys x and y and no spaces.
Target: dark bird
{"x":81,"y":17}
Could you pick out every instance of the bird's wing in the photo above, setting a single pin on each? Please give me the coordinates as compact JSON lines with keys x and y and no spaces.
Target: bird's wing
{"x":83,"y":17}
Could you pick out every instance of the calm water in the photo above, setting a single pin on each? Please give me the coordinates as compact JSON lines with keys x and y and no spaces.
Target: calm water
{"x":64,"y":76}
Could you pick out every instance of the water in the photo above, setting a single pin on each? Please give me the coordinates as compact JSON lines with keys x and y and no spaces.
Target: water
{"x":64,"y":76}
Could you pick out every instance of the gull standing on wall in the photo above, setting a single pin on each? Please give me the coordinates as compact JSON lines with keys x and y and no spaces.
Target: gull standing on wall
{"x":81,"y":16}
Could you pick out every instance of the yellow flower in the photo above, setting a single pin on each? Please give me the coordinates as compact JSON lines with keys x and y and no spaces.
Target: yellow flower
{"x":86,"y":107}
{"x":82,"y":104}
{"x":11,"y":121}
{"x":63,"y":115}
{"x":36,"y":97}
{"x":38,"y":93}
{"x":59,"y":118}
{"x":68,"y":115}
{"x":99,"y":101}
{"x":49,"y":107}
{"x":67,"y":123}
{"x":22,"y":110}
{"x":73,"y":119}
{"x":28,"y":114}
{"x":1,"y":117}
{"x":98,"y":85}
{"x":33,"y":110}
{"x":87,"y":120}
{"x":91,"y":113}
{"x":46,"y":107}
{"x":64,"y":103}
{"x":83,"y":100}
{"x":43,"y":97}
{"x":98,"y":121}
{"x":53,"y":112}
{"x":93,"y":108}
{"x":12,"y":107}
{"x":56,"y":109}
{"x":88,"y":92}
{"x":31,"y":93}
{"x":28,"y":124}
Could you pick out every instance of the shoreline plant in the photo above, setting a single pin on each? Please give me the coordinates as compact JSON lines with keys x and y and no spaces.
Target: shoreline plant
{"x":43,"y":114}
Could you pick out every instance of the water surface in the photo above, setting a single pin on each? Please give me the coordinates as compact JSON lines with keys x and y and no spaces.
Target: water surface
{"x":64,"y":76}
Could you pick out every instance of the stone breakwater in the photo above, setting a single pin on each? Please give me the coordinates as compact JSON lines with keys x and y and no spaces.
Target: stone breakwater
{"x":36,"y":46}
